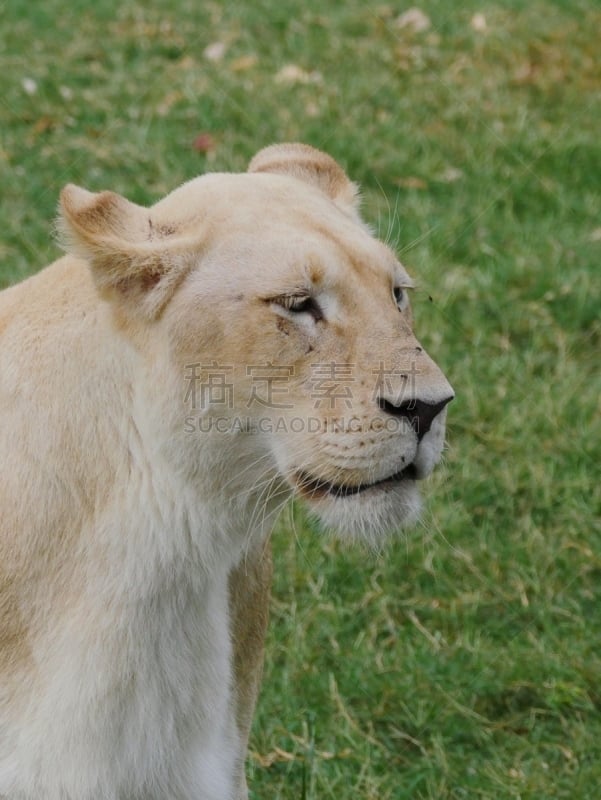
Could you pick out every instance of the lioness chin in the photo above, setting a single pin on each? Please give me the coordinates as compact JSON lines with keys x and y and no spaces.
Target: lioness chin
{"x":164,"y":389}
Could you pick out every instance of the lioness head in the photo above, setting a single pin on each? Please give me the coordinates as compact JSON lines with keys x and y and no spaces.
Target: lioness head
{"x":283,"y":330}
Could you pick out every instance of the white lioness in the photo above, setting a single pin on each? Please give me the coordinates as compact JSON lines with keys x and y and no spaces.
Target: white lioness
{"x":163,"y":389}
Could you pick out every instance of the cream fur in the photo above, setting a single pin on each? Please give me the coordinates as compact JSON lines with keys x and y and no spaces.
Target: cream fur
{"x":123,"y":515}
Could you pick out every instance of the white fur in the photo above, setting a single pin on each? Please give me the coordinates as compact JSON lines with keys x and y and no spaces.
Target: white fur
{"x":131,"y":697}
{"x":121,"y":522}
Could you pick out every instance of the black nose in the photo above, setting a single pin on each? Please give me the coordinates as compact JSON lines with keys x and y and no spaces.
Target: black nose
{"x":417,"y":412}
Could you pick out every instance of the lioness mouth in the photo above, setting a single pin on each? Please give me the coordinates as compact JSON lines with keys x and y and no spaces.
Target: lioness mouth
{"x":316,"y":487}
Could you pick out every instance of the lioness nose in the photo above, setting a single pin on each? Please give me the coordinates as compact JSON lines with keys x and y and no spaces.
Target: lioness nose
{"x":420,"y":414}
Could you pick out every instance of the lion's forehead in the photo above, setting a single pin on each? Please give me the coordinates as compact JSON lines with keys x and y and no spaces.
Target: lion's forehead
{"x":277,"y":221}
{"x":303,"y":257}
{"x":239,"y":194}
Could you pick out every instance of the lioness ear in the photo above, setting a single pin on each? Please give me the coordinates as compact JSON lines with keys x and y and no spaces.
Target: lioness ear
{"x":131,"y":260}
{"x":312,"y":166}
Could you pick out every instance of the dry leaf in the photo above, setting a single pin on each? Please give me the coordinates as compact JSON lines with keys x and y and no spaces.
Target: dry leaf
{"x":243,"y":63}
{"x":525,"y":73}
{"x":29,"y":86}
{"x":168,"y":102}
{"x":478,"y":23}
{"x":411,"y":182}
{"x":214,"y":51}
{"x":414,"y":19}
{"x":203,"y":143}
{"x":450,"y":175}
{"x":187,"y":62}
{"x":43,"y":125}
{"x":292,"y":73}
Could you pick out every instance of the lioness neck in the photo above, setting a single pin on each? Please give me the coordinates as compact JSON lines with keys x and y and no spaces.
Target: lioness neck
{"x":128,"y":559}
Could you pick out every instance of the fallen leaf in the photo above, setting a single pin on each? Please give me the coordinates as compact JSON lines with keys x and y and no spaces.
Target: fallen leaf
{"x":525,"y":73}
{"x":187,"y":62}
{"x":384,"y":12}
{"x":204,"y":143}
{"x":413,"y":18}
{"x":243,"y":63}
{"x":29,"y":86}
{"x":215,"y":51}
{"x":478,"y":23}
{"x":292,"y":73}
{"x":43,"y":125}
{"x":411,"y":182}
{"x":167,"y":103}
{"x":450,"y":175}
{"x":515,"y":773}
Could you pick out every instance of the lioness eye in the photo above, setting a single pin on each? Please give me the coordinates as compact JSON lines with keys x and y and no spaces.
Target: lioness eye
{"x":401,"y":297}
{"x":302,"y":305}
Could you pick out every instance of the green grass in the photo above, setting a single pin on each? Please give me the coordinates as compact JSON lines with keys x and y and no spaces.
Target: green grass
{"x":465,"y":663}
